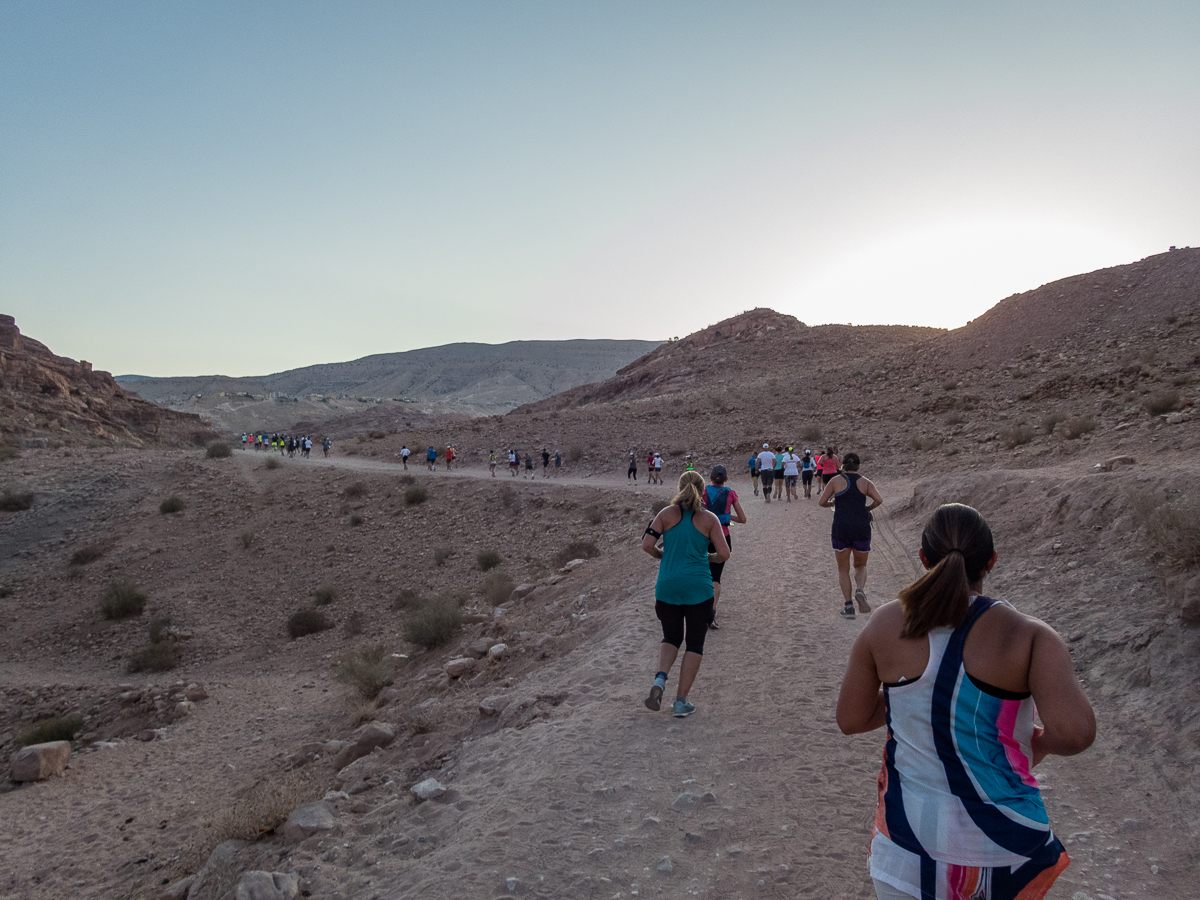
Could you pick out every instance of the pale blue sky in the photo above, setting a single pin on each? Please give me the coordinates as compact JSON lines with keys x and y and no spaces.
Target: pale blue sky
{"x":191,"y":188}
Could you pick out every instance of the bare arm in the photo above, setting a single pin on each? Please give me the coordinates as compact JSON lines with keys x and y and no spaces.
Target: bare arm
{"x":665,"y":520}
{"x":872,"y":493}
{"x":860,"y":706}
{"x":1069,"y":723}
{"x":715,"y":534}
{"x":738,"y":515}
{"x":827,"y":494}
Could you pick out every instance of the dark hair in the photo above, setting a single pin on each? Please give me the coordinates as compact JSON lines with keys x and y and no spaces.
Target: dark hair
{"x":958,"y":547}
{"x":850,"y":462}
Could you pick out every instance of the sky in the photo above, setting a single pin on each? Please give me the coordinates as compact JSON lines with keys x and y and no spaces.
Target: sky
{"x":198,"y":188}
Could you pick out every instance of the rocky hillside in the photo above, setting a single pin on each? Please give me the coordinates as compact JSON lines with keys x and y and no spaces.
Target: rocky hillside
{"x":473,"y":379}
{"x":47,"y":399}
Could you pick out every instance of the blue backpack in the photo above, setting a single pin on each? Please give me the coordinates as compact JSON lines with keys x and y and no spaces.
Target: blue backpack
{"x":718,"y":501}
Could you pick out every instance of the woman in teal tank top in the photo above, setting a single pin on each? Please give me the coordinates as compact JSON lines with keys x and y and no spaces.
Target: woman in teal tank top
{"x":684,"y":591}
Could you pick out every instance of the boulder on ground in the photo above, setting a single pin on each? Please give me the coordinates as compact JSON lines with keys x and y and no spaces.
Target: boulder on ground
{"x":477,"y":649}
{"x":307,"y":820}
{"x":39,"y":761}
{"x":456,"y":668}
{"x":221,"y":855}
{"x":492,"y":706}
{"x":258,"y":885}
{"x":573,"y":564}
{"x":521,"y":591}
{"x":497,"y":652}
{"x":363,"y":741}
{"x":177,"y":890}
{"x":195,"y":693}
{"x":429,"y":789}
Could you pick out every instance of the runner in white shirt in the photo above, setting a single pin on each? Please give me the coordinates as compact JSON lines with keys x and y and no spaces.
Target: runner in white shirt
{"x":404,"y":452}
{"x":766,"y":470}
{"x":791,"y":473}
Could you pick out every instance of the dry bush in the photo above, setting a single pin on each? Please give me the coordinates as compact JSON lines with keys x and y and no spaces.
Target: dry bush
{"x":355,"y":491}
{"x":218,"y":450}
{"x":59,"y":728}
{"x":574,"y":454}
{"x":367,"y":671}
{"x":356,"y":520}
{"x":362,"y":711}
{"x":171,"y":505}
{"x":324,"y":595}
{"x":160,"y":657}
{"x":811,"y":433}
{"x":510,"y":499}
{"x":1172,"y":528}
{"x":1050,"y":421}
{"x":376,"y":435}
{"x":424,"y":719}
{"x":266,"y":806}
{"x":16,"y":502}
{"x":8,"y":451}
{"x":441,"y":554}
{"x":1016,"y":435}
{"x":924,"y":442}
{"x":355,"y":624}
{"x":576,"y":550}
{"x":307,"y":621}
{"x":121,"y":600}
{"x":247,"y":539}
{"x":88,"y":554}
{"x":415,"y":495}
{"x":1161,"y":402}
{"x":433,"y":622}
{"x":407,"y":598}
{"x":497,"y":587}
{"x":488,"y":559}
{"x":157,"y":628}
{"x":1078,"y":426}
{"x":594,"y":515}
{"x":407,"y":479}
{"x":273,"y":462}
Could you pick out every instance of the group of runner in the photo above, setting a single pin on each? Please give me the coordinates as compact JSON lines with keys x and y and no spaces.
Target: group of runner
{"x":516,"y":460}
{"x":286,"y":444}
{"x":654,"y":467}
{"x":959,"y":812}
{"x":783,"y":470}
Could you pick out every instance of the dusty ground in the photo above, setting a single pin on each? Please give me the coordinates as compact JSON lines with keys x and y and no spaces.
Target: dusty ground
{"x":578,"y":792}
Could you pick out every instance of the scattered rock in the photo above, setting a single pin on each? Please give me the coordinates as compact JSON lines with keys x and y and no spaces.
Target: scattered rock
{"x":497,"y":652}
{"x":39,"y":761}
{"x":185,"y":707}
{"x":222,"y":853}
{"x":492,"y":706}
{"x":684,"y":801}
{"x":521,"y":591}
{"x":1115,"y":462}
{"x":456,"y":668}
{"x":691,"y":837}
{"x":332,"y":796}
{"x":1175,"y":418}
{"x":363,"y":741}
{"x":388,"y":696}
{"x":651,"y":822}
{"x":476,"y":618}
{"x":195,"y":693}
{"x":429,"y":789}
{"x":665,"y":866}
{"x":177,"y":890}
{"x":478,"y":649}
{"x":511,"y":884}
{"x":708,"y":797}
{"x":573,"y":564}
{"x":307,"y":820}
{"x":258,"y":885}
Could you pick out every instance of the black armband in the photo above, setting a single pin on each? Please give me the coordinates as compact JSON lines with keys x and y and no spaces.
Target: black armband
{"x":650,"y":531}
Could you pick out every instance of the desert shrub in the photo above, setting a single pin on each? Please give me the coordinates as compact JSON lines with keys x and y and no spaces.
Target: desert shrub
{"x":121,"y":600}
{"x":307,"y":621}
{"x":415,"y":495}
{"x":355,"y":624}
{"x":574,"y":454}
{"x":16,"y":502}
{"x":431,"y":624}
{"x":376,"y":435}
{"x":1016,"y":435}
{"x":594,"y":514}
{"x":488,"y":559}
{"x":218,"y":450}
{"x":441,"y":554}
{"x":5,"y":590}
{"x":1050,"y":421}
{"x":923,"y":442}
{"x":59,"y":728}
{"x":324,"y":595}
{"x":356,"y":520}
{"x":811,"y":433}
{"x":1161,"y":402}
{"x":367,"y":671}
{"x":1078,"y":426}
{"x":8,"y":451}
{"x":354,"y":491}
{"x":273,"y":462}
{"x":171,"y":505}
{"x":406,"y":598}
{"x":262,"y":809}
{"x":88,"y":554}
{"x":575,"y":550}
{"x":497,"y":587}
{"x":157,"y":628}
{"x":657,"y":506}
{"x":510,"y":499}
{"x":424,"y":719}
{"x":1173,"y":528}
{"x":955,"y":418}
{"x":160,"y":657}
{"x":407,"y":479}
{"x":247,"y":539}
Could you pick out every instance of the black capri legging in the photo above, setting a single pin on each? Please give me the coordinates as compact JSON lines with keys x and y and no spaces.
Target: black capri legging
{"x":715,"y":569}
{"x":674,"y":615}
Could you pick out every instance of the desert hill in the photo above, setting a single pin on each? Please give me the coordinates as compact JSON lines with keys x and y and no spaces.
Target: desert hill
{"x":467,"y":378}
{"x":51,"y":399}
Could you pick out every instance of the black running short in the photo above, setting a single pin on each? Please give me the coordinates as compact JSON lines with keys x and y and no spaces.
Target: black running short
{"x":806,"y":476}
{"x":767,"y":478}
{"x":674,"y":616}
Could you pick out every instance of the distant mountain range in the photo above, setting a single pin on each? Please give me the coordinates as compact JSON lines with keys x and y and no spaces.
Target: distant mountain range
{"x":474,"y":379}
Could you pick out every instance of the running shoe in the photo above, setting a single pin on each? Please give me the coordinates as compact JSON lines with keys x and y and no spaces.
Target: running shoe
{"x":713,"y":625}
{"x":860,"y":597}
{"x":654,"y":701}
{"x":682,"y":709}
{"x":848,"y":611}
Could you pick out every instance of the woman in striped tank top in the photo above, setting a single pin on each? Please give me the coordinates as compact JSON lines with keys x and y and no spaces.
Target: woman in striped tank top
{"x":955,"y":676}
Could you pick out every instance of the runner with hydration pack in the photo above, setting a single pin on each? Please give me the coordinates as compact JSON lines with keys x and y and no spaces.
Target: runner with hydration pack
{"x":752,"y":462}
{"x":722,"y":502}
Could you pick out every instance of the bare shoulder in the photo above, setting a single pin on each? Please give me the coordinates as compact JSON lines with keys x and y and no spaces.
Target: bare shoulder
{"x":668,"y":517}
{"x":886,"y":622}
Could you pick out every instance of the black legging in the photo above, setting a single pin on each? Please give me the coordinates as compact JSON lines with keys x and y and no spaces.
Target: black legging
{"x":674,"y":615}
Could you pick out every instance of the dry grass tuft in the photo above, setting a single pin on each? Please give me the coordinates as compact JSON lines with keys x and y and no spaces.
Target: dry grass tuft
{"x":406,"y":598}
{"x":415,"y":495}
{"x":594,"y":515}
{"x":266,"y":806}
{"x":218,"y":451}
{"x":1161,"y":402}
{"x":488,"y":559}
{"x":424,"y":719}
{"x":1172,"y":528}
{"x":122,"y":600}
{"x":324,"y":595}
{"x":355,"y":491}
{"x":1016,"y":435}
{"x":18,"y":502}
{"x":158,"y":657}
{"x":368,"y":671}
{"x":433,"y":622}
{"x":1078,"y":426}
{"x":273,"y":462}
{"x":576,"y":550}
{"x":441,"y":554}
{"x":88,"y":554}
{"x":171,"y":505}
{"x":497,"y":587}
{"x":59,"y":728}
{"x":1050,"y":421}
{"x":307,"y":621}
{"x":924,"y":442}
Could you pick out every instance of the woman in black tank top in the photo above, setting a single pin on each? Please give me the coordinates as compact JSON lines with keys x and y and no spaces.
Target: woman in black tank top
{"x":852,"y":497}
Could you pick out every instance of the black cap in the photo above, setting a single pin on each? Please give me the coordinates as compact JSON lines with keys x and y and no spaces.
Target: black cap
{"x":718,"y":470}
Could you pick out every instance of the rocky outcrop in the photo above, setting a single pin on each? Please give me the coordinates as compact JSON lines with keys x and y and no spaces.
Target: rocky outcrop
{"x":38,"y":762}
{"x":46,"y":398}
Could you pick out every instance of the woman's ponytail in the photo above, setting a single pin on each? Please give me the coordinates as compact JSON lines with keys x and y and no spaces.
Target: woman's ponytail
{"x":958,"y":547}
{"x":691,"y":484}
